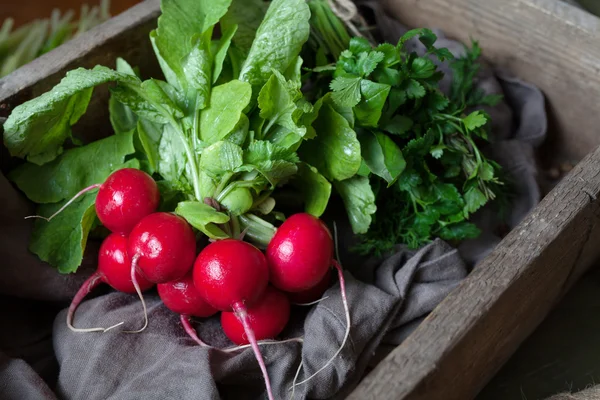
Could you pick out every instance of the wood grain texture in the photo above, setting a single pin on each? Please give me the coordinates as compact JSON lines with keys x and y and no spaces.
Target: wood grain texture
{"x":549,"y":43}
{"x":466,"y":339}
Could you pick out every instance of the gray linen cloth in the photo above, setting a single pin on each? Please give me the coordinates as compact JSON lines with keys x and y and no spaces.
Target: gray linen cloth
{"x":388,"y":298}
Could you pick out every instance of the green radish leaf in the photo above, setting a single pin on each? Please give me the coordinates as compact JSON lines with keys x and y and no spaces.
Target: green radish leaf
{"x":247,"y":15}
{"x":122,"y":118}
{"x":335,"y":152}
{"x":315,"y":189}
{"x":227,"y":103}
{"x":37,"y":128}
{"x":359,"y":201}
{"x":262,"y":150}
{"x":221,"y":52}
{"x":197,"y":68}
{"x":74,"y":170}
{"x":179,"y":21}
{"x":172,"y":160}
{"x":382,"y":155}
{"x":61,"y":241}
{"x":220,"y":158}
{"x":278,"y":41}
{"x":277,"y":102}
{"x":368,"y":111}
{"x":240,"y":131}
{"x":203,"y":217}
{"x":139,"y":105}
{"x":150,"y":135}
{"x":153,"y":90}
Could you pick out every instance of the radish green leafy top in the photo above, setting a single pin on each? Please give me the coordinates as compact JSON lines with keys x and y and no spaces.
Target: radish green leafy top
{"x":232,"y":127}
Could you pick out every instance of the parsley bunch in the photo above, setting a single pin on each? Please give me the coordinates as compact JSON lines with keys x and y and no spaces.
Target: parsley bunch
{"x":420,"y":148}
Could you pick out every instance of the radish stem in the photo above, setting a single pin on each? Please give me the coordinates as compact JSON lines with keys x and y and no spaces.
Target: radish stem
{"x":89,"y":285}
{"x":81,"y":192}
{"x":134,"y":261}
{"x":242,"y":314}
{"x":189,"y":329}
{"x":347,"y":333}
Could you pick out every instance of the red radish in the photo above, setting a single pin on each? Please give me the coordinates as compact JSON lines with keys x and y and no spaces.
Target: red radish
{"x":127,"y":196}
{"x":114,"y":266}
{"x":181,"y":296}
{"x":267,"y":318}
{"x":163,"y":247}
{"x":313,"y":294}
{"x":231,"y":275}
{"x":300,"y":253}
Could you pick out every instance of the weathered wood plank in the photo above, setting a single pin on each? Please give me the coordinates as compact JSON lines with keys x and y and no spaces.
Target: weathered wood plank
{"x":464,"y":341}
{"x":546,"y":42}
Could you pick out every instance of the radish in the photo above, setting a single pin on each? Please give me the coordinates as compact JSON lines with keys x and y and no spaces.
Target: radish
{"x":312,"y":295}
{"x":125,"y":197}
{"x":232,"y":275}
{"x":113,"y":269}
{"x":300,"y":253}
{"x":181,"y":296}
{"x":162,"y":248}
{"x":267,"y":318}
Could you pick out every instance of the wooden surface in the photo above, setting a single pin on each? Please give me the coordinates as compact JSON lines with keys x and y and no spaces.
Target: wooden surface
{"x":472,"y":333}
{"x":546,"y":42}
{"x":467,"y":338}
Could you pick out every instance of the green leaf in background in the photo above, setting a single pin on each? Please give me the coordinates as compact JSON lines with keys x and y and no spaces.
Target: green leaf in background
{"x":279,"y":39}
{"x":222,"y":115}
{"x":37,"y":128}
{"x":74,"y":170}
{"x":368,"y":111}
{"x":382,"y":155}
{"x":62,"y":240}
{"x":335,"y":152}
{"x":203,"y":217}
{"x":220,"y":158}
{"x":179,"y":21}
{"x":277,"y":102}
{"x":314,"y":188}
{"x":459,"y":231}
{"x":150,"y":135}
{"x":359,"y":200}
{"x":221,"y":51}
{"x":247,"y":15}
{"x":474,"y":200}
{"x":398,"y":125}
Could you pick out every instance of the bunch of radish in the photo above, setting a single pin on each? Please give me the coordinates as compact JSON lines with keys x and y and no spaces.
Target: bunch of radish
{"x":252,"y":290}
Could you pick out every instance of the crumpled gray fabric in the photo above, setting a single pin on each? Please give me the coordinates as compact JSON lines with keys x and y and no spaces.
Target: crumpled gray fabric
{"x":388,"y":298}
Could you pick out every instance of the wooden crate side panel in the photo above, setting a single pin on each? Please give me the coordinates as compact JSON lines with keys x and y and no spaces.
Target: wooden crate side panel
{"x":546,"y":42}
{"x":466,"y":339}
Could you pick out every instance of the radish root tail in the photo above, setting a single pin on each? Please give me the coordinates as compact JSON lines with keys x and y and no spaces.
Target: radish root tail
{"x":189,"y":329}
{"x":89,"y":285}
{"x":346,"y":334}
{"x":81,"y":192}
{"x":242,"y":314}
{"x":136,"y":285}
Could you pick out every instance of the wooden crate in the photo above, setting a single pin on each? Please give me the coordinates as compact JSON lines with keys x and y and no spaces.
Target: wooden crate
{"x":466,"y":339}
